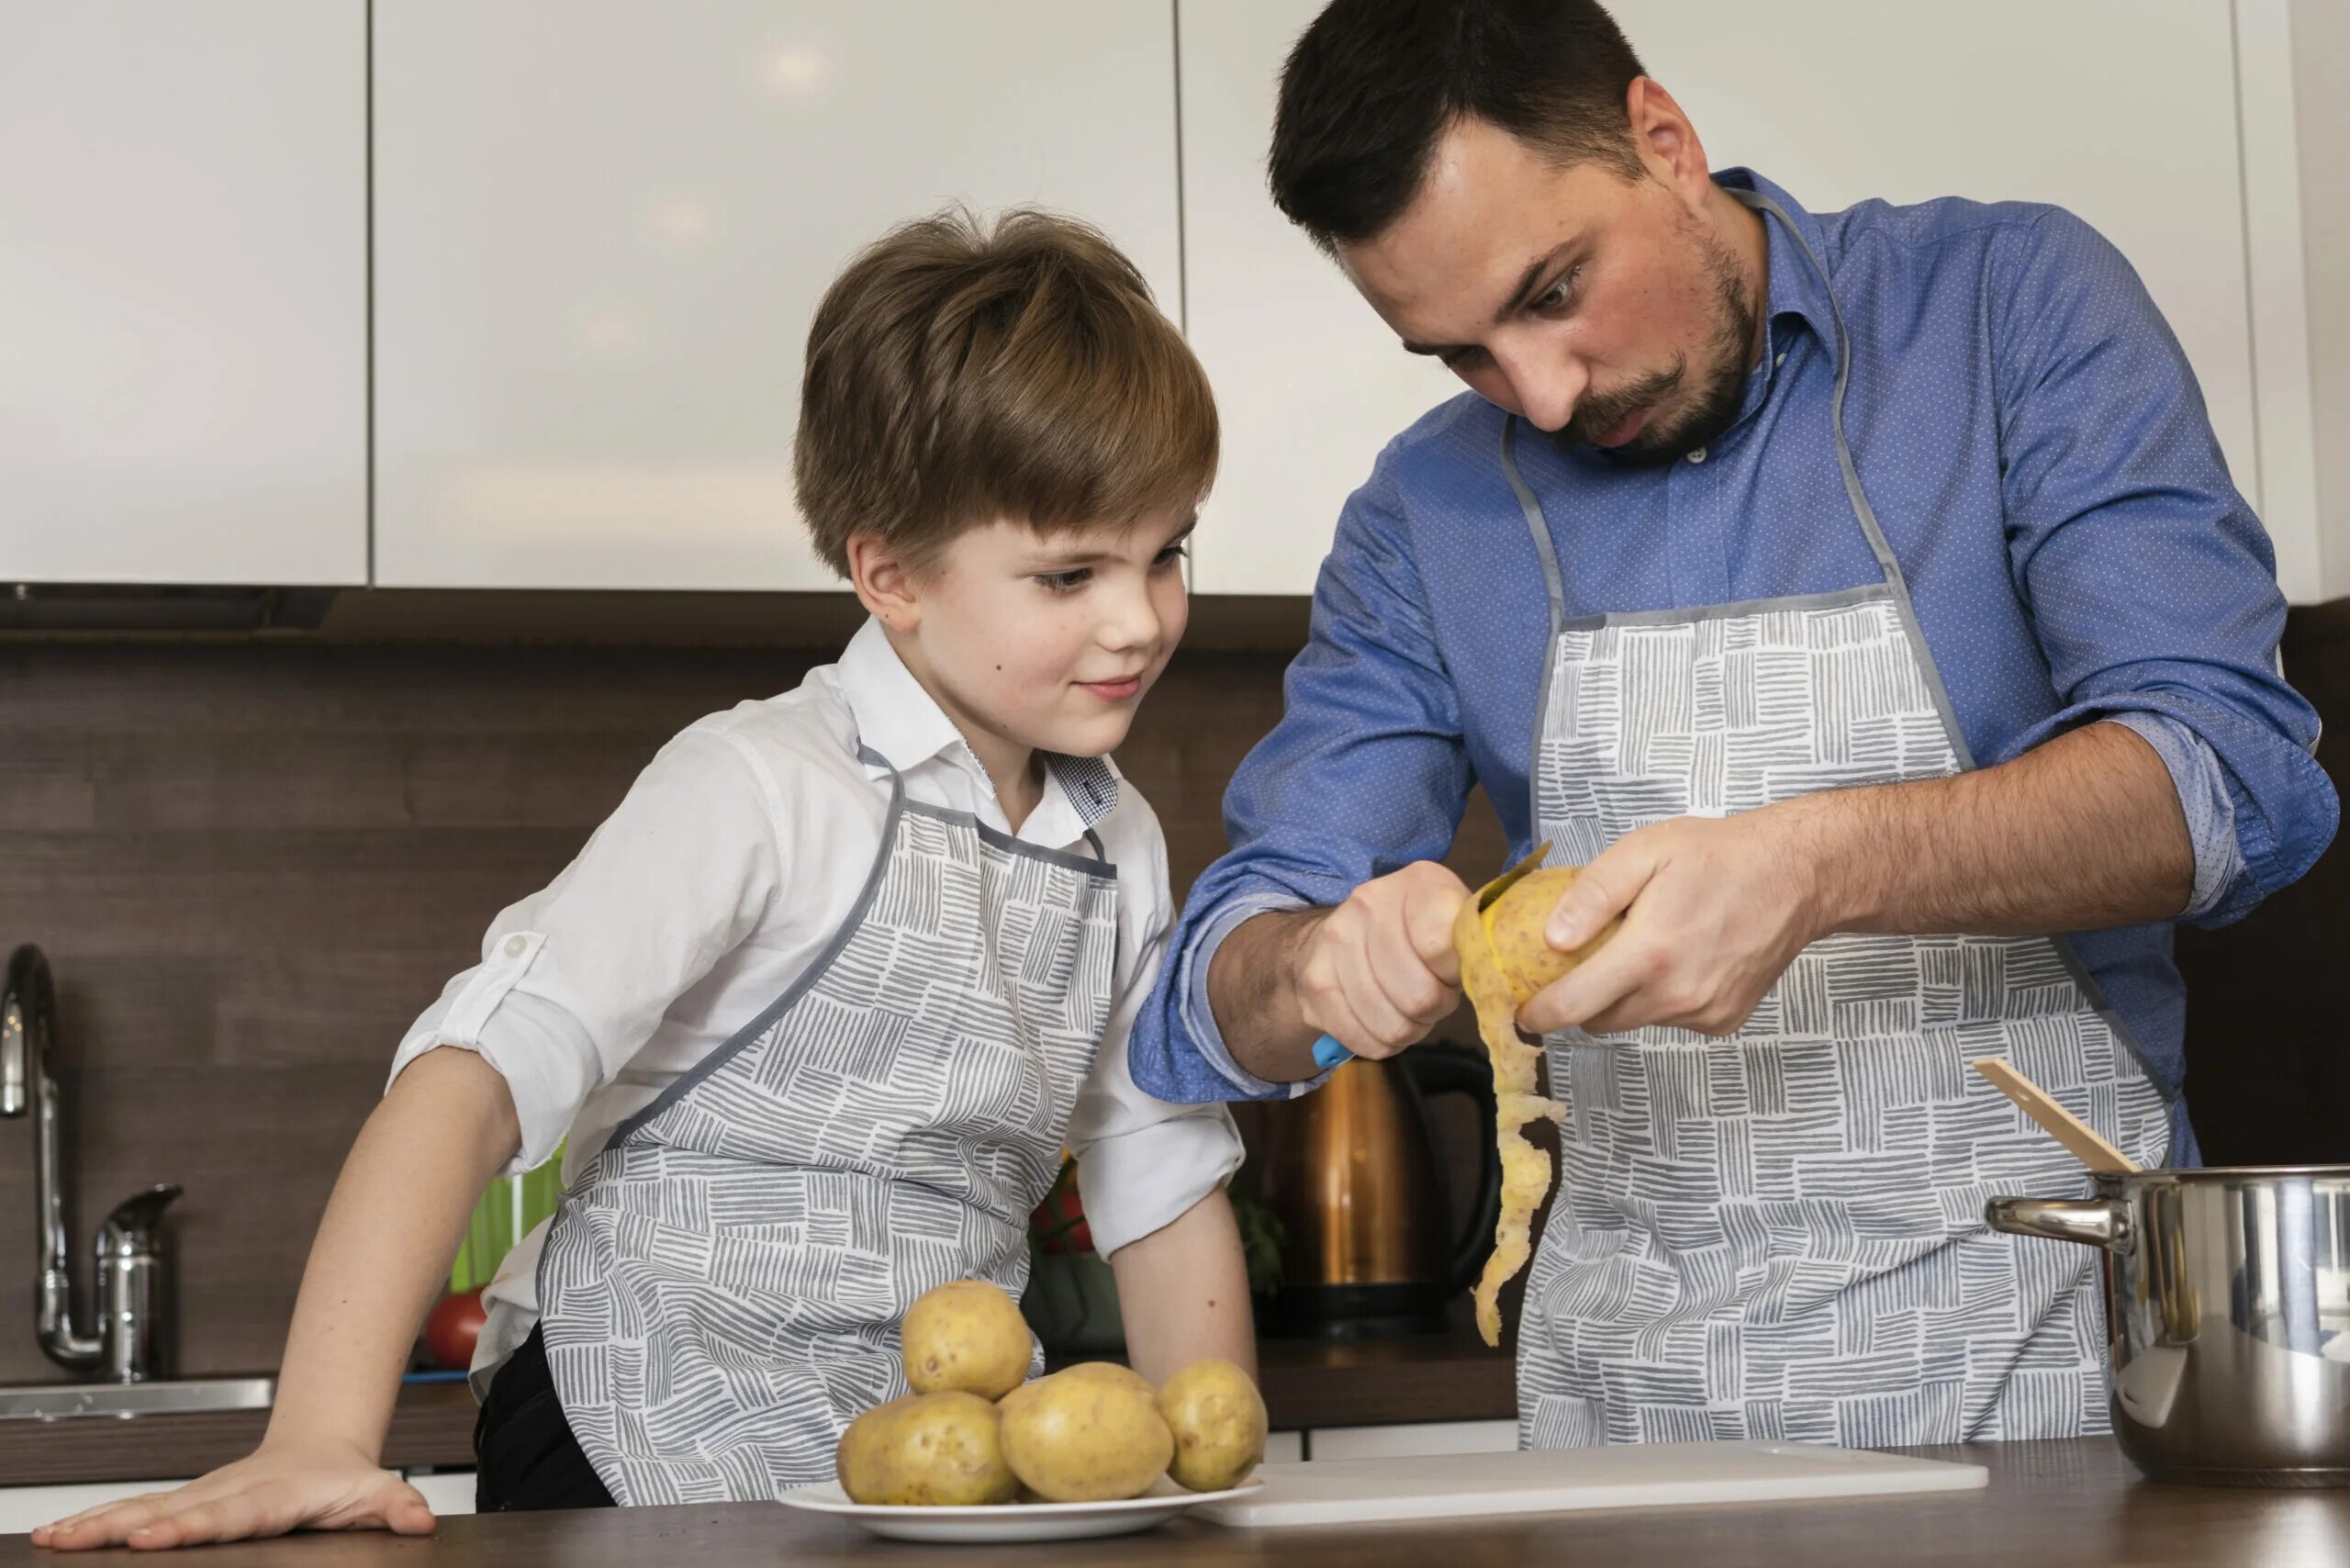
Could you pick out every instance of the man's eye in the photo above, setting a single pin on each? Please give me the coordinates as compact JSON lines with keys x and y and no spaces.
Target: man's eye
{"x":1066,"y":582}
{"x":1561,"y":294}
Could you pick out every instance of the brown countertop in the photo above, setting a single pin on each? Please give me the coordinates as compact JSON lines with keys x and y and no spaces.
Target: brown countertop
{"x":2053,"y":1504}
{"x":1307,"y":1383}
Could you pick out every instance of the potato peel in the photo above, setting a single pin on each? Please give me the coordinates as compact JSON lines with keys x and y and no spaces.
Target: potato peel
{"x":1505,"y":960}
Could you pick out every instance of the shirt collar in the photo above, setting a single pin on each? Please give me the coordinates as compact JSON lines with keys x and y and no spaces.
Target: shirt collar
{"x":900,"y":721}
{"x":1795,"y":290}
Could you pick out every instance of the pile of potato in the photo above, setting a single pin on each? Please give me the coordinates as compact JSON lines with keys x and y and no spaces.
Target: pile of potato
{"x":973,"y":1432}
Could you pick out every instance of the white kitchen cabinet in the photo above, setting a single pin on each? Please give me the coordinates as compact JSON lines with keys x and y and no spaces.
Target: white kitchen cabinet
{"x":448,"y":1492}
{"x":601,"y":227}
{"x":1309,"y":383}
{"x":22,"y":1507}
{"x":1412,"y":1439}
{"x":183,"y":292}
{"x":1836,"y":100}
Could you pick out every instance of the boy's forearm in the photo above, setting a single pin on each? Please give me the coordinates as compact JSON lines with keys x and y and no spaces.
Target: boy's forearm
{"x":383,"y":1250}
{"x":1183,"y":1294}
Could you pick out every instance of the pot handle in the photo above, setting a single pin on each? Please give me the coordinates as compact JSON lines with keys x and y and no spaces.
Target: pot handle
{"x":2093,"y":1222}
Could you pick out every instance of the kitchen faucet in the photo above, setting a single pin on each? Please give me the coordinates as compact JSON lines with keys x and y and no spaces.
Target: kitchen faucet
{"x":127,"y":1345}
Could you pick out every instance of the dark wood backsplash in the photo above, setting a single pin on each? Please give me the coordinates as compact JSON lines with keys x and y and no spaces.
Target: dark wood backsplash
{"x":252,"y":864}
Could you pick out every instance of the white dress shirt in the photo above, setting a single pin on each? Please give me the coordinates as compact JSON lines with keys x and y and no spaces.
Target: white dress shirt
{"x":734,"y":859}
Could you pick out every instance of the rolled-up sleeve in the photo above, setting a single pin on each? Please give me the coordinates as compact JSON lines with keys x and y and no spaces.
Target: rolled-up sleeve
{"x":575,"y":979}
{"x":2152,"y":585}
{"x":1141,"y":1161}
{"x":1366,"y":772}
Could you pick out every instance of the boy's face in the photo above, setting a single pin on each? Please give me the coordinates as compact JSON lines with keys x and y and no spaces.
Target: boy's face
{"x":1047,"y":642}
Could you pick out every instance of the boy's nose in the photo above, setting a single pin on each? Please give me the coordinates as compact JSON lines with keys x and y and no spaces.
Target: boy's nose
{"x":1132,"y":620}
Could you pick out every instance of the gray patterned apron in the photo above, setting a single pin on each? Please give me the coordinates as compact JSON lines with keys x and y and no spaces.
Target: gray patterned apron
{"x":1779,"y":1235}
{"x":720,"y":1290}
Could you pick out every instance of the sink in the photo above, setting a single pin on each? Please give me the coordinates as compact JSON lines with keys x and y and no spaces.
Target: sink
{"x":48,"y":1402}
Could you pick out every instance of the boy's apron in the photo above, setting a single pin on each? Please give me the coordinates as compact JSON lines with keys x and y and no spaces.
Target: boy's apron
{"x":722,"y":1288}
{"x":1780,"y":1235}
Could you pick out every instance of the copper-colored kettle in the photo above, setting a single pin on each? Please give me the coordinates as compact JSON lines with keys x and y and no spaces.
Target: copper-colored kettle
{"x":1352,"y":1171}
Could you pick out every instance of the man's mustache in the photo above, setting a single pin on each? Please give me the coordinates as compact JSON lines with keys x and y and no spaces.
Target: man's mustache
{"x":1595,"y":417}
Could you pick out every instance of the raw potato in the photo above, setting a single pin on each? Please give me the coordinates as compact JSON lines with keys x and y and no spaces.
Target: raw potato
{"x":1218,"y":1420}
{"x":928,"y":1449}
{"x":967,"y":1336}
{"x":1505,"y":960}
{"x":1090,"y":1434}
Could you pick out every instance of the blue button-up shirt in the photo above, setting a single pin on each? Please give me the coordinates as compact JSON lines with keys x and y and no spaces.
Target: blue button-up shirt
{"x":2037,"y":450}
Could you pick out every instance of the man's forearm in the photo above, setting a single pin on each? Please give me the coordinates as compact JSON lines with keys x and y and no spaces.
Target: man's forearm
{"x":1252,"y":987}
{"x":2081,"y":833}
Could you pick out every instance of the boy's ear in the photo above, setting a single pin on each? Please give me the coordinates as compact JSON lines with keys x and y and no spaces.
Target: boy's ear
{"x":884,"y":583}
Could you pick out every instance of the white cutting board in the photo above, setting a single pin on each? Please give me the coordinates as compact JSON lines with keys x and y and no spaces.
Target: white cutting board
{"x":1630,"y":1475}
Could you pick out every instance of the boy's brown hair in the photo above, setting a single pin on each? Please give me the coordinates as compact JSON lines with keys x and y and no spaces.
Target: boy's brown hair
{"x":959,"y":374}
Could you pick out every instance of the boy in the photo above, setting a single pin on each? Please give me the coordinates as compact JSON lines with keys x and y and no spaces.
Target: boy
{"x":820,"y":1003}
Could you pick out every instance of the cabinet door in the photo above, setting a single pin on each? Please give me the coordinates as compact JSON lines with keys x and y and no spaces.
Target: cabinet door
{"x":1836,"y":100}
{"x":1309,"y":382}
{"x":182,"y":291}
{"x":1841,"y":100}
{"x":601,"y":228}
{"x":23,"y":1508}
{"x":1414,"y":1439}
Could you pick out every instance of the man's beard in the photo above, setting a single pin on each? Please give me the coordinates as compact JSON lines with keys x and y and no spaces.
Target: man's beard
{"x":1715,"y":408}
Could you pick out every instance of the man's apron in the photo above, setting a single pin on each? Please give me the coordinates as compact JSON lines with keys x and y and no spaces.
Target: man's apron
{"x":1780,"y":1235}
{"x":722,"y":1288}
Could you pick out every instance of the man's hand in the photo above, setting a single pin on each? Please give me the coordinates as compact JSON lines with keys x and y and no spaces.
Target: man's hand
{"x":269,"y":1492}
{"x":2079,"y":834}
{"x":1377,"y":971}
{"x":1714,"y":909}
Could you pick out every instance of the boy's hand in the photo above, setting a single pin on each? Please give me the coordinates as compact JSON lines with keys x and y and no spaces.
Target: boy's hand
{"x":270,"y":1491}
{"x":1377,"y":971}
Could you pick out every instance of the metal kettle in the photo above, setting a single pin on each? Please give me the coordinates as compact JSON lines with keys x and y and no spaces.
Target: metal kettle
{"x":1352,"y":1172}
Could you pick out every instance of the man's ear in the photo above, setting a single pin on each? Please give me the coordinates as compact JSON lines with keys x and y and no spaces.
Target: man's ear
{"x":885,"y":582}
{"x":1667,"y":142}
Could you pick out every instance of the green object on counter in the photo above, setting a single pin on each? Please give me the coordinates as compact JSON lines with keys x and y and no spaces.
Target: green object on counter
{"x":1072,"y":1303}
{"x":511,"y":1208}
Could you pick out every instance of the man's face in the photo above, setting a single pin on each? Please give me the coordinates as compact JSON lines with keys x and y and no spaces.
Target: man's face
{"x":1600,"y":310}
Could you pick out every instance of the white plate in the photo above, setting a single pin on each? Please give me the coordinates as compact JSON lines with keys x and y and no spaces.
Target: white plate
{"x":1012,"y":1521}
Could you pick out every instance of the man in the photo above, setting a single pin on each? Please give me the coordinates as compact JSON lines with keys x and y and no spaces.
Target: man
{"x":1826,"y":582}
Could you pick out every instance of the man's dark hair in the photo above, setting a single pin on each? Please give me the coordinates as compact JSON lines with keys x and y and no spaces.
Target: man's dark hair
{"x":1374,"y":84}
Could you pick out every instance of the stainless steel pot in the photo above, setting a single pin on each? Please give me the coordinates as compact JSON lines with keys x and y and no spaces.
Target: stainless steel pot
{"x":2227,"y":1310}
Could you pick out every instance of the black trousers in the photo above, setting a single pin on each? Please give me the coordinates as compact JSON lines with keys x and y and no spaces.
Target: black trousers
{"x":524,"y":1445}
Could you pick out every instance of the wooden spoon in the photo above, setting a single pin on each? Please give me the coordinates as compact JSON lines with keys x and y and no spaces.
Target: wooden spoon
{"x":2054,"y":1120}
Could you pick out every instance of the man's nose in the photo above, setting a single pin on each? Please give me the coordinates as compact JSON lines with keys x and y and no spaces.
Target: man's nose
{"x":1547,"y":390}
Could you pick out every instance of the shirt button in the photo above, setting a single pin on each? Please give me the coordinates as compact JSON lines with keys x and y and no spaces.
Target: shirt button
{"x":514,"y":946}
{"x":1781,"y":360}
{"x":1698,"y":455}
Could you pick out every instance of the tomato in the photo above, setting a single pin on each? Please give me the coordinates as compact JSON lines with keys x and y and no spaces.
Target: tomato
{"x":451,"y":1332}
{"x":1059,"y":1224}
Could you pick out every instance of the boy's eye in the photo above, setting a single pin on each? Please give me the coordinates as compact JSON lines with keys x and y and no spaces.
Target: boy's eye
{"x":1171,"y":555}
{"x":1066,"y":582}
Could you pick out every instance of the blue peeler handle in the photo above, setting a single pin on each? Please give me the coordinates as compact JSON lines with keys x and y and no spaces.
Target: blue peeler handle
{"x":1328,"y":1053}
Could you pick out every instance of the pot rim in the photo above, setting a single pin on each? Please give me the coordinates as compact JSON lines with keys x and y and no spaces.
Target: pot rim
{"x":2227,"y":1172}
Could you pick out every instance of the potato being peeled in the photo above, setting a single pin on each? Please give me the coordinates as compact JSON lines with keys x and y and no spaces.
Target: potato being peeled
{"x":1218,"y":1421}
{"x":1505,"y":960}
{"x":967,"y":1336}
{"x":926,"y":1450}
{"x":1515,"y":925}
{"x":1083,"y":1436}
